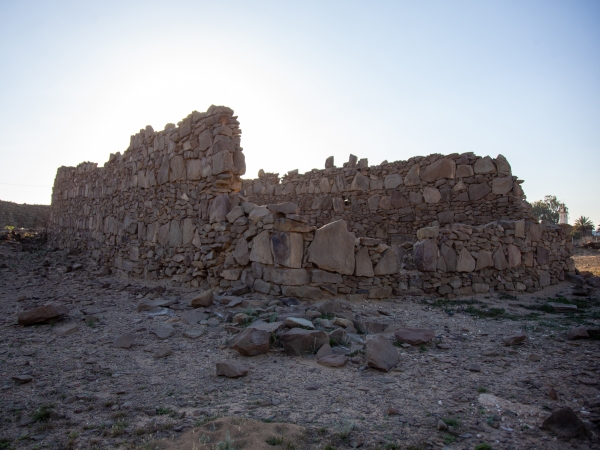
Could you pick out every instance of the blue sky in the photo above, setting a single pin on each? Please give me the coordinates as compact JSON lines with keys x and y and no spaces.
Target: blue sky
{"x":383,"y":80}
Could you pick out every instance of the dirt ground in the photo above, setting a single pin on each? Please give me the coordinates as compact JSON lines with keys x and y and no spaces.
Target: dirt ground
{"x":587,"y":260}
{"x":87,"y":394}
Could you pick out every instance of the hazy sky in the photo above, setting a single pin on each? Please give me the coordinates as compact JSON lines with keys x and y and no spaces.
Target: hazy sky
{"x":383,"y":80}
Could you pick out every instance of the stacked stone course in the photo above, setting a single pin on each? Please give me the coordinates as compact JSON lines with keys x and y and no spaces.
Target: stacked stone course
{"x":23,"y":215}
{"x":173,"y":207}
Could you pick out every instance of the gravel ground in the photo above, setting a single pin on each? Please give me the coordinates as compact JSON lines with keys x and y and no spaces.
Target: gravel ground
{"x":85,"y":393}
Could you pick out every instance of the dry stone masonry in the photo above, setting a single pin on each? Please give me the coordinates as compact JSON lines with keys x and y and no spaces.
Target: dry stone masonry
{"x":173,"y":207}
{"x":23,"y":215}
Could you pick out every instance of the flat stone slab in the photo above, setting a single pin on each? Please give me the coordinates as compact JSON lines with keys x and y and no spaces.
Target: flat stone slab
{"x":296,"y":322}
{"x":163,"y":331}
{"x":333,"y":360}
{"x":414,"y":336}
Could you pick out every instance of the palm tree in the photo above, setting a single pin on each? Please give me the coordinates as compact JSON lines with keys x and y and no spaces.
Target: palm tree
{"x":583,"y":226}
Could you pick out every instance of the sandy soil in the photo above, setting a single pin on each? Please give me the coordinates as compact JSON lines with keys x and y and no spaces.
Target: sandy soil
{"x":87,"y":394}
{"x":587,"y":260}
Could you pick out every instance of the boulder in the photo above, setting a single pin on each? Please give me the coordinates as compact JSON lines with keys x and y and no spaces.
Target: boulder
{"x":231,"y":370}
{"x":203,"y":300}
{"x":332,"y":248}
{"x":252,"y":342}
{"x":478,"y":191}
{"x":565,"y":424}
{"x":43,"y":314}
{"x":364,"y":265}
{"x":414,"y":336}
{"x":298,"y":341}
{"x":381,"y":353}
{"x":298,"y":322}
{"x":578,"y":333}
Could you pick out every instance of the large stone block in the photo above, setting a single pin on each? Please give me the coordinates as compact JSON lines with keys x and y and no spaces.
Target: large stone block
{"x":240,"y":253}
{"x":364,"y":265}
{"x":308,"y":292}
{"x":431,"y":195}
{"x":464,"y":171}
{"x":219,"y":207}
{"x":442,"y":168}
{"x":42,"y":314}
{"x":290,"y":277}
{"x":484,"y":259}
{"x":388,"y":264}
{"x":500,"y":262}
{"x":177,"y":172}
{"x":484,"y":165}
{"x":298,"y":341}
{"x":465,"y":262}
{"x":412,"y":177}
{"x":425,"y":254}
{"x":194,"y":169}
{"x":287,"y":249}
{"x":261,"y":249}
{"x":514,"y":256}
{"x":175,"y":234}
{"x":360,"y":183}
{"x":284,"y":208}
{"x":222,"y":162}
{"x":478,"y":191}
{"x":392,"y":181}
{"x":332,"y":248}
{"x":502,"y":186}
{"x":321,"y":276}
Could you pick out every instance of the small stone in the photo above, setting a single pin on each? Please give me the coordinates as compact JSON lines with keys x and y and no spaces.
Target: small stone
{"x":312,"y":387}
{"x":65,"y":330}
{"x":22,"y":379}
{"x":162,"y":352}
{"x":193,"y":333}
{"x":125,"y":340}
{"x":333,"y":360}
{"x":441,"y":425}
{"x":231,"y":370}
{"x":552,"y":393}
{"x":204,"y":300}
{"x":578,"y":333}
{"x":163,"y":331}
{"x":534,"y":358}
{"x":42,"y":314}
{"x":325,"y":350}
{"x":517,"y":339}
{"x":295,"y":322}
{"x":414,"y":336}
{"x":473,"y":367}
{"x":392,"y":411}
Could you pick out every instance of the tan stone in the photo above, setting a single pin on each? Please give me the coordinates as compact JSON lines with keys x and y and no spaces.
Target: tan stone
{"x":502,"y":186}
{"x":484,"y":259}
{"x":392,"y":181}
{"x":431,"y":195}
{"x":290,"y":277}
{"x":442,"y":168}
{"x":261,"y":249}
{"x":364,"y":265}
{"x":425,"y":254}
{"x":332,"y":248}
{"x":465,"y":262}
{"x":412,"y":177}
{"x":287,"y":249}
{"x":514,"y":256}
{"x":464,"y":171}
{"x":388,"y":264}
{"x":428,"y":233}
{"x":484,"y":165}
{"x":360,"y":183}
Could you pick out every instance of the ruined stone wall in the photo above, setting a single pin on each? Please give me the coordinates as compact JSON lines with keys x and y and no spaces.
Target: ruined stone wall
{"x":508,"y":256}
{"x":392,"y":200}
{"x":23,"y":215}
{"x":173,"y":207}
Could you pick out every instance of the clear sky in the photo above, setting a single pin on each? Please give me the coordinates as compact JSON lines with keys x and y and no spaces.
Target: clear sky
{"x":308,"y":79}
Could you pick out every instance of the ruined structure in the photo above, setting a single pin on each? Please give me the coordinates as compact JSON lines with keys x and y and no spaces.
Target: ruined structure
{"x":173,"y":207}
{"x":23,"y":215}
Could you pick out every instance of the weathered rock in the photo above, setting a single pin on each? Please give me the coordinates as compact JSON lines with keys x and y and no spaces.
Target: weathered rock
{"x":43,"y":314}
{"x":414,"y":336}
{"x":364,"y":265}
{"x":370,"y":327}
{"x":163,"y":330}
{"x":269,"y":327}
{"x":500,"y":262}
{"x":565,"y":424}
{"x":465,"y":262}
{"x":381,"y":354}
{"x":65,"y":330}
{"x":288,"y":225}
{"x":325,"y":350}
{"x":287,"y":249}
{"x":333,"y":360}
{"x":284,"y":208}
{"x":297,"y":322}
{"x":290,"y":277}
{"x":484,"y":165}
{"x":478,"y":191}
{"x":484,"y":259}
{"x":125,"y":340}
{"x":412,"y":177}
{"x":261,"y":248}
{"x":502,"y":186}
{"x":431,"y":195}
{"x":219,"y":208}
{"x":428,"y":233}
{"x":333,"y":248}
{"x":388,"y":264}
{"x":162,"y":352}
{"x":425,"y":254}
{"x":321,"y":276}
{"x":252,"y":342}
{"x":298,"y":341}
{"x":149,"y":305}
{"x":516,"y":339}
{"x":442,"y":168}
{"x":193,"y":317}
{"x":392,"y":181}
{"x":578,"y":333}
{"x":309,"y":292}
{"x":203,"y":300}
{"x":231,"y":370}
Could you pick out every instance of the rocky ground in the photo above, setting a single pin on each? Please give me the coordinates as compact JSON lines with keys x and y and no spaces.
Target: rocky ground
{"x":64,"y":384}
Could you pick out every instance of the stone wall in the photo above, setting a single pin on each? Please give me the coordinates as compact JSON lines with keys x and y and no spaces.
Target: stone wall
{"x":395,"y":199}
{"x":173,"y":207}
{"x":23,"y":215}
